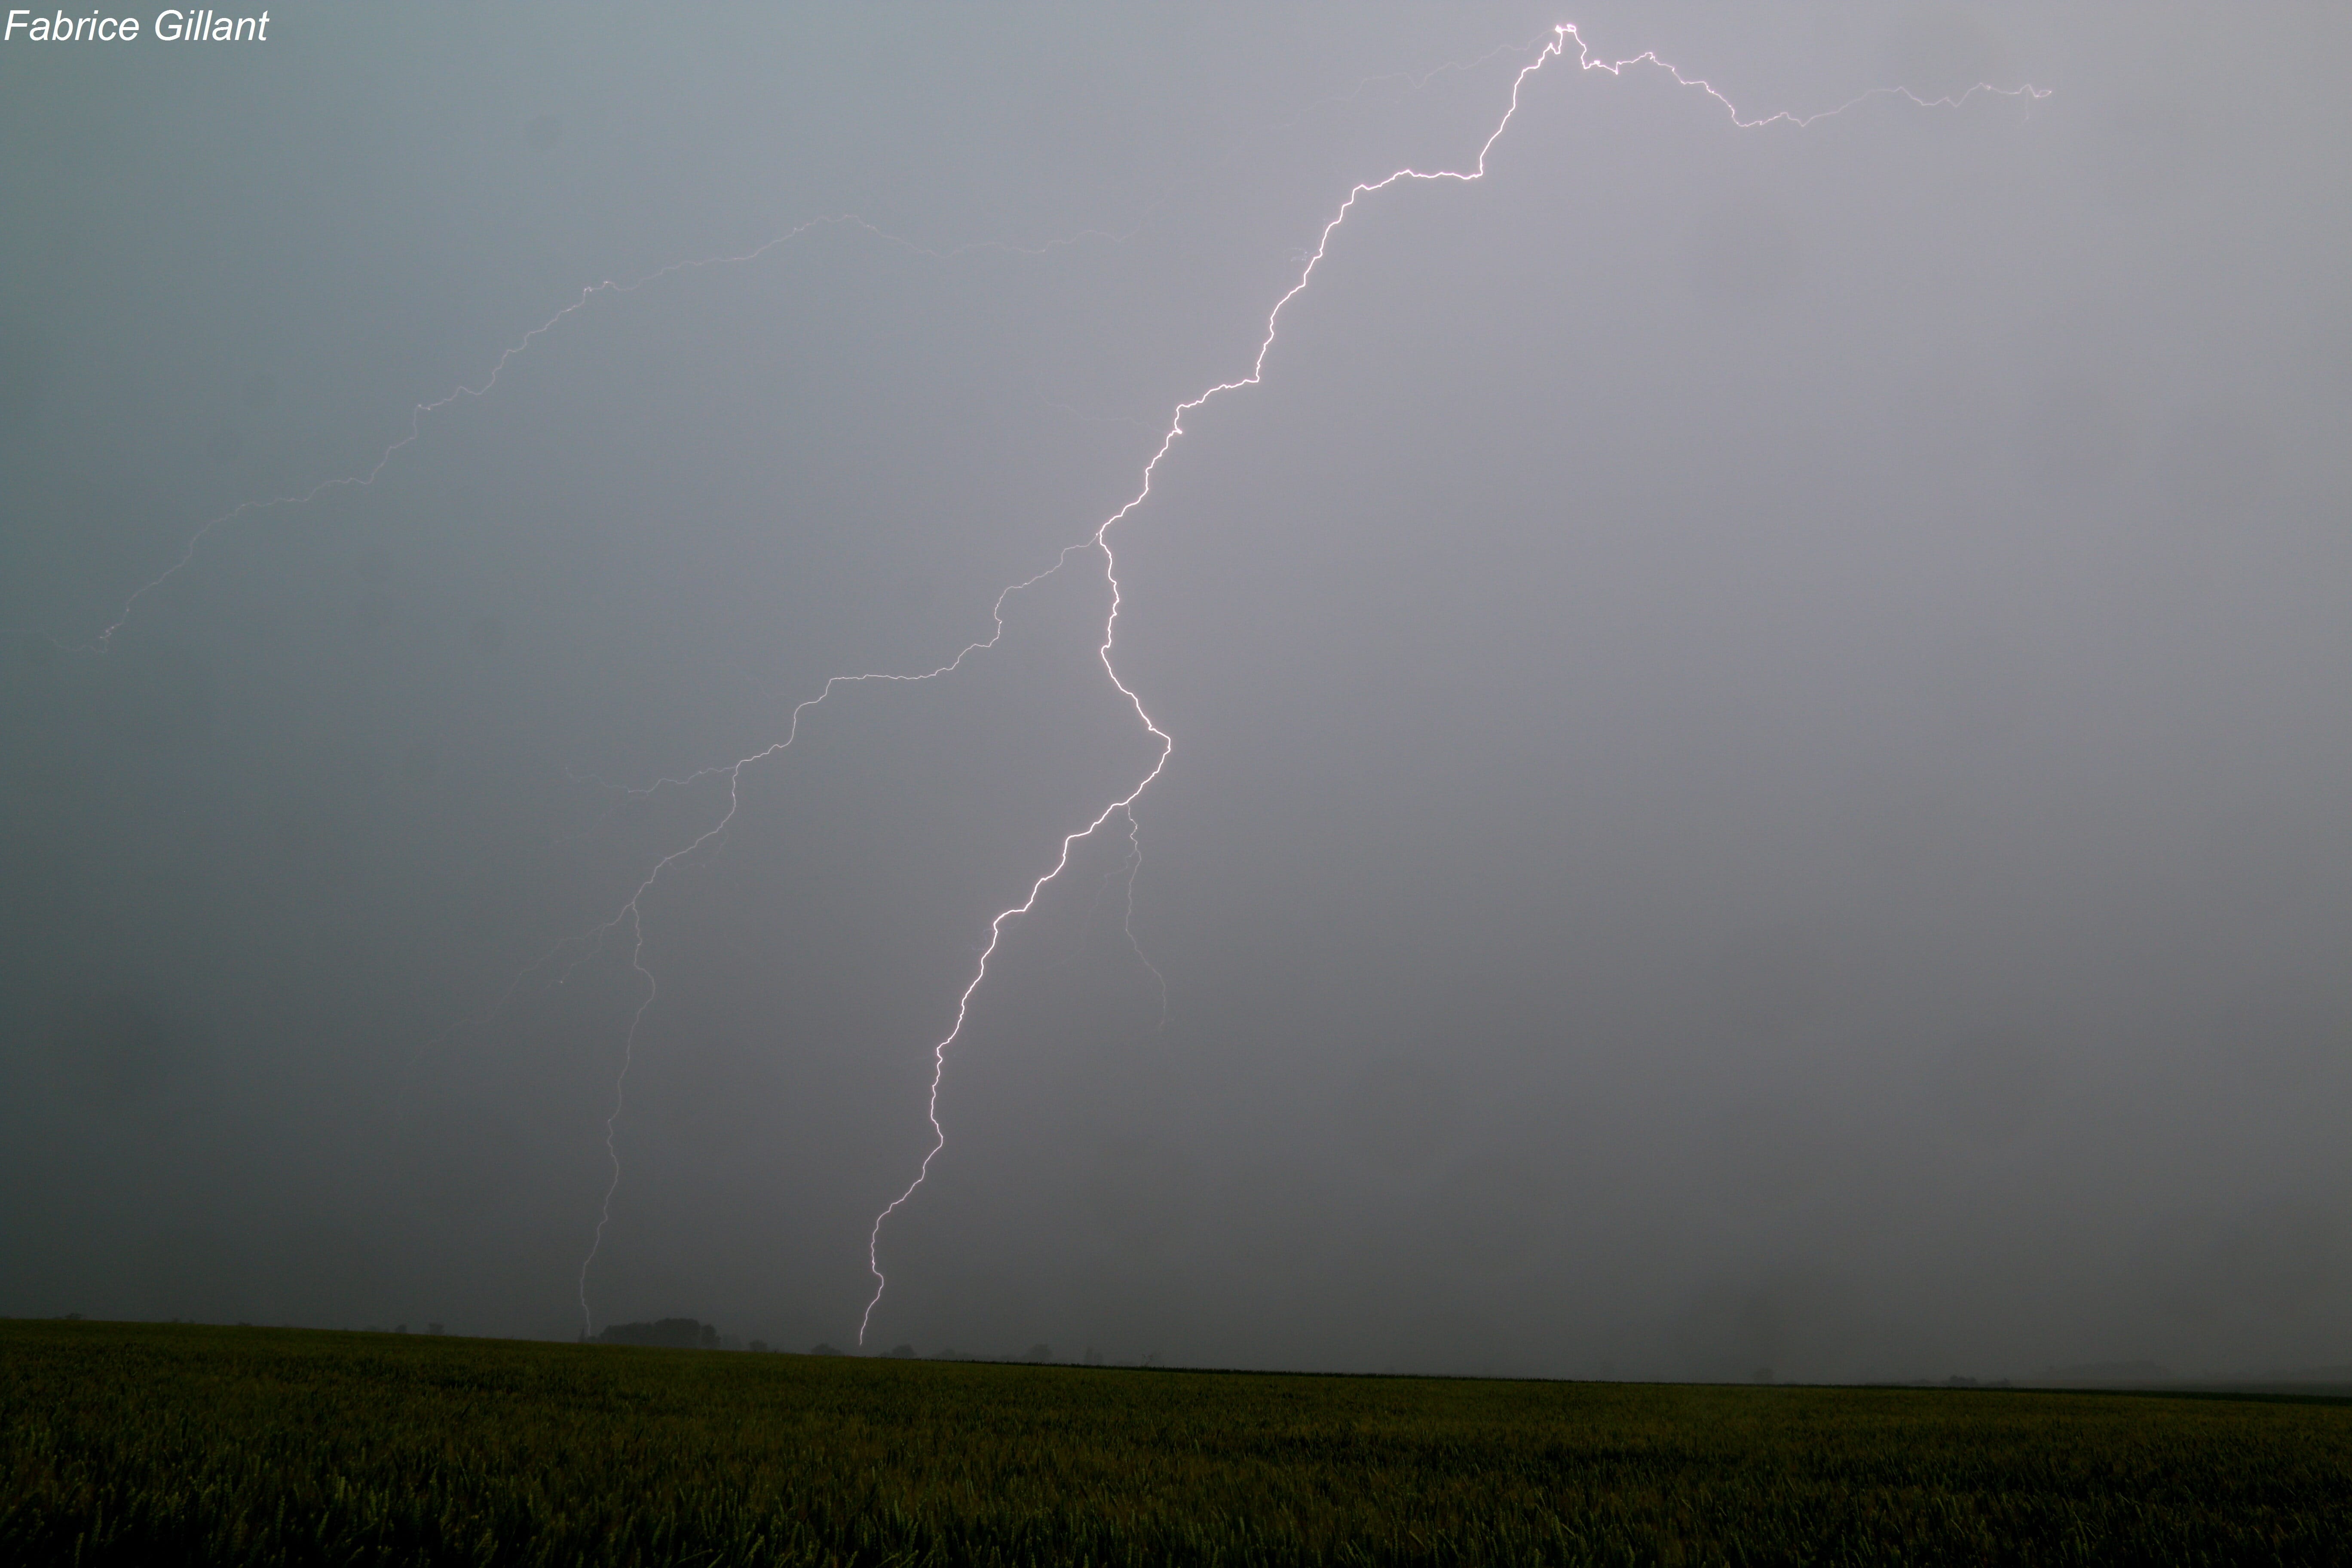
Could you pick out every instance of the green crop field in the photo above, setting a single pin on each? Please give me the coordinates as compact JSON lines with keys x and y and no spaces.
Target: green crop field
{"x":138,"y":1444}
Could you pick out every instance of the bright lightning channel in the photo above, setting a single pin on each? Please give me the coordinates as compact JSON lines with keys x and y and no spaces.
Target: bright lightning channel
{"x":1562,"y":36}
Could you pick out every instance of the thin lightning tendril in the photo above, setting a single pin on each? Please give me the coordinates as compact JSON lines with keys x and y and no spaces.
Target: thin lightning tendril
{"x":1127,"y":920}
{"x":418,"y":413}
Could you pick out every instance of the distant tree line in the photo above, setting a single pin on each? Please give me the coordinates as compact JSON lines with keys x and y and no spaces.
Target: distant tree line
{"x":668,"y":1333}
{"x":691,"y":1334}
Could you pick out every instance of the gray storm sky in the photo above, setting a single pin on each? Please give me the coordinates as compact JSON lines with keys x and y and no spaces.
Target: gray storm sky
{"x":1762,"y":730}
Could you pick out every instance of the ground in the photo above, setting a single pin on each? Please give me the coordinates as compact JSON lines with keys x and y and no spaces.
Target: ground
{"x":147,"y":1444}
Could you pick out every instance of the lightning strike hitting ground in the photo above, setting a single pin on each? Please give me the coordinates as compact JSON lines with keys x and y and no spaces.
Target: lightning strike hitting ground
{"x":631,"y":912}
{"x":1562,"y":36}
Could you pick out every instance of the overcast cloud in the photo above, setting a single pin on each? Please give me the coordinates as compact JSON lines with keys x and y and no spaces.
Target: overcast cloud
{"x":1762,"y":722}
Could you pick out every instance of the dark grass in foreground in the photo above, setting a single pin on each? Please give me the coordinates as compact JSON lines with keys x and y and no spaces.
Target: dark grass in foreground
{"x":126,"y":1444}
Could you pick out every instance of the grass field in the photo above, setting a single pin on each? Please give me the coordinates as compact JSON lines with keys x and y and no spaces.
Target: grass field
{"x":139,"y":1444}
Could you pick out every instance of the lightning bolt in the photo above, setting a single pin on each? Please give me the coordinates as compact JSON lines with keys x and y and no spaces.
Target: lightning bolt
{"x":1562,"y":36}
{"x":630,"y":916}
